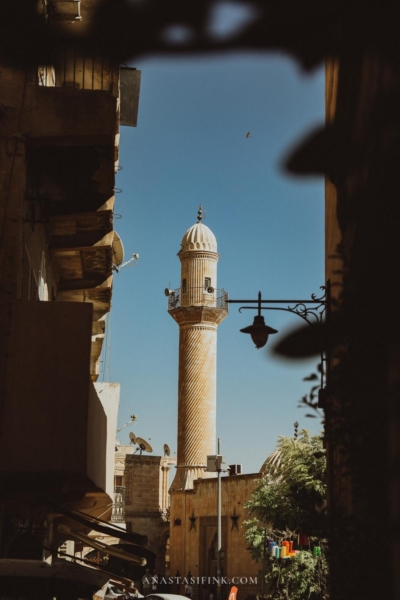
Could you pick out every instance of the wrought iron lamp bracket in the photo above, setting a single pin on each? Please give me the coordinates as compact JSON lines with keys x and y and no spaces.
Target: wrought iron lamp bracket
{"x":312,"y":310}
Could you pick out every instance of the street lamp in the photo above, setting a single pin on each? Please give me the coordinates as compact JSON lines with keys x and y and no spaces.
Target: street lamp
{"x":259,"y":331}
{"x":312,"y":311}
{"x":214,"y":465}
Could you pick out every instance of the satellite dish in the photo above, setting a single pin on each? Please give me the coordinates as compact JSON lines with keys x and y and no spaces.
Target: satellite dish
{"x":143,"y":445}
{"x":118,"y":250}
{"x":167,"y":292}
{"x":210,"y":290}
{"x":167,"y":451}
{"x":133,"y":438}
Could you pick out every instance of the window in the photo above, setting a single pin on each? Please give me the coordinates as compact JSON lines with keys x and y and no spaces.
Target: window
{"x":118,"y":480}
{"x":184,"y":286}
{"x":207,"y":283}
{"x":46,"y":76}
{"x":43,"y":289}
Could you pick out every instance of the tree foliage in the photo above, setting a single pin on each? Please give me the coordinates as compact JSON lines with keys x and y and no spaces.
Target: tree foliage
{"x":300,"y":578}
{"x":291,"y":499}
{"x":292,"y":494}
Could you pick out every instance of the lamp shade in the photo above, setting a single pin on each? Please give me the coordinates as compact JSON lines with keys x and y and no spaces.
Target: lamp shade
{"x":259,"y":331}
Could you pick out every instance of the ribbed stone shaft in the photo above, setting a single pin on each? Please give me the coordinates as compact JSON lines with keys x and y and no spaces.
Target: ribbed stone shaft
{"x":196,"y":401}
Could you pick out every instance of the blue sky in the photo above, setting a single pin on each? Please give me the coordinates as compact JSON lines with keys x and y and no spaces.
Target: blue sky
{"x":190,"y":148}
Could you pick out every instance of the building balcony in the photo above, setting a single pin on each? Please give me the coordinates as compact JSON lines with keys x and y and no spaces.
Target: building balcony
{"x":66,"y":116}
{"x":74,"y":99}
{"x":67,"y":422}
{"x":78,"y":70}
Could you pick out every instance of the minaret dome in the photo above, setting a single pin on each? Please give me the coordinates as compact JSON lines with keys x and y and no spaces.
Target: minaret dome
{"x":199,"y":237}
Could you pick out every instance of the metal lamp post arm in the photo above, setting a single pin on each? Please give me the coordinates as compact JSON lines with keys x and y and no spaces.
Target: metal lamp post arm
{"x":301,"y":310}
{"x":314,"y":307}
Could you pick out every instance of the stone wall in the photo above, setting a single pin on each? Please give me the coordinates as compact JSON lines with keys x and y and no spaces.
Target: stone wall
{"x":194,"y":527}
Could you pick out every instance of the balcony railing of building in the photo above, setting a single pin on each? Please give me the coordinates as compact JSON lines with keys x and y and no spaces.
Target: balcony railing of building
{"x":197,"y":296}
{"x":118,"y":508}
{"x":74,"y":69}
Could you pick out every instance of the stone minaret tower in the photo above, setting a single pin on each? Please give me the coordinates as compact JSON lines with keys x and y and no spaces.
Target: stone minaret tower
{"x":198,"y":307}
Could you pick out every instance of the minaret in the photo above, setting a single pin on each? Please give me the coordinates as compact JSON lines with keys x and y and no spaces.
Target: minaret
{"x":198,"y":307}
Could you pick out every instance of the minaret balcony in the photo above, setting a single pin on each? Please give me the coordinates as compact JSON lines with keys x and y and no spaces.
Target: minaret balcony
{"x":197,"y":305}
{"x":197,"y":296}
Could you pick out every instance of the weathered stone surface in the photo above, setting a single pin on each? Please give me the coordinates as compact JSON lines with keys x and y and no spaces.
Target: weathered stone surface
{"x":145,"y":479}
{"x":192,"y":541}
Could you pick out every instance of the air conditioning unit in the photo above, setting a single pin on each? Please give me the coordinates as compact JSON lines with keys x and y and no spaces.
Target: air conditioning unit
{"x":235,"y":469}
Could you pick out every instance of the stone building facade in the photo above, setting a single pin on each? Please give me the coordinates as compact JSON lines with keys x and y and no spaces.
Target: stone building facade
{"x":143,"y":480}
{"x":194,"y":528}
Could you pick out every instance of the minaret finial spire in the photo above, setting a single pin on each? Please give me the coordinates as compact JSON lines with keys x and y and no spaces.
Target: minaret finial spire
{"x":200,"y":214}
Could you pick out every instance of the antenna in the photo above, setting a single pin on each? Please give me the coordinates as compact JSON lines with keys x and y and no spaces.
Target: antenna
{"x":143,"y":445}
{"x":132,"y":262}
{"x":118,"y":250}
{"x":133,"y":419}
{"x":167,"y":451}
{"x":133,"y":438}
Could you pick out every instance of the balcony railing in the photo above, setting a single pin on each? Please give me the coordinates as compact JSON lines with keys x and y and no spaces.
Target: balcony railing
{"x":197,"y":296}
{"x":118,"y":509}
{"x":74,"y":69}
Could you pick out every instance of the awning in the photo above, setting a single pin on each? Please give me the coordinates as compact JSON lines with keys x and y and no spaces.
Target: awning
{"x":138,"y":560}
{"x":61,"y":570}
{"x":102,"y":526}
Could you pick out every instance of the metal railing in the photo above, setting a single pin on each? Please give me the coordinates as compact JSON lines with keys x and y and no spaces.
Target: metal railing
{"x":118,"y":508}
{"x":74,"y":69}
{"x":197,"y":296}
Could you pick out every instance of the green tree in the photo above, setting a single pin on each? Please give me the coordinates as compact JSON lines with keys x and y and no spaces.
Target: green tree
{"x":291,"y":499}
